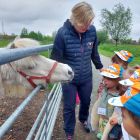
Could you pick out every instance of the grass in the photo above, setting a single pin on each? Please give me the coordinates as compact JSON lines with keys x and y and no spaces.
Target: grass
{"x":108,"y":50}
{"x":46,"y":53}
{"x":44,"y":42}
{"x":4,"y":43}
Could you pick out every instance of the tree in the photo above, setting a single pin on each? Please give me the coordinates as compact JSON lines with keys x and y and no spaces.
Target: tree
{"x":33,"y":35}
{"x":40,"y":36}
{"x":139,"y":41}
{"x":126,"y":41}
{"x":118,"y":22}
{"x":102,"y":36}
{"x":24,"y":32}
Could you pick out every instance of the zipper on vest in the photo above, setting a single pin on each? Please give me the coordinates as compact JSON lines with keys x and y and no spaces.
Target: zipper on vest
{"x":82,"y":56}
{"x":81,"y":46}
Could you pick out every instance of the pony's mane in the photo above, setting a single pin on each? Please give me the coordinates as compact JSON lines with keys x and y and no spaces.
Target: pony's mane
{"x":22,"y":43}
{"x":25,"y":63}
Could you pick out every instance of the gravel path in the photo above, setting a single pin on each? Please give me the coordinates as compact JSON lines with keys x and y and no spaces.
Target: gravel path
{"x":79,"y":132}
{"x":96,"y":75}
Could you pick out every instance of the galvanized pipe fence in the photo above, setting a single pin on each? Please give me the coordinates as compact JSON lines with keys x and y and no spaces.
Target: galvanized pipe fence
{"x":44,"y":124}
{"x":8,"y":55}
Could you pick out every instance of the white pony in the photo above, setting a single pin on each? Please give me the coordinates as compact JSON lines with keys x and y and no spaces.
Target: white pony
{"x":32,"y":70}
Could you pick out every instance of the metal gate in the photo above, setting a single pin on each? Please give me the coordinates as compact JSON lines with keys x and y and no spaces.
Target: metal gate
{"x":43,"y":126}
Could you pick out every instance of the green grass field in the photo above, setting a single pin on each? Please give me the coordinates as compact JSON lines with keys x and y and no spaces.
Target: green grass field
{"x":3,"y":43}
{"x":108,"y":50}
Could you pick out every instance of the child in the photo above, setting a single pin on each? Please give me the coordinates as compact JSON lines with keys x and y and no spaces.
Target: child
{"x":130,"y":103}
{"x":123,"y":58}
{"x":134,"y":80}
{"x":111,"y":78}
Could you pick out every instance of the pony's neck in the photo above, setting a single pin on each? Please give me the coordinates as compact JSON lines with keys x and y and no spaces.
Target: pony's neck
{"x":11,"y":76}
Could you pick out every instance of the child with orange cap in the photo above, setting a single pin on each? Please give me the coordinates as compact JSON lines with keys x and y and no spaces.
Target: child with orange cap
{"x":130,"y":107}
{"x":123,"y":58}
{"x":111,"y":77}
{"x":134,"y":82}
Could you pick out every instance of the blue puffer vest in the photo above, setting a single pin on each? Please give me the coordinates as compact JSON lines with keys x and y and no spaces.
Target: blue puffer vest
{"x":77,"y":50}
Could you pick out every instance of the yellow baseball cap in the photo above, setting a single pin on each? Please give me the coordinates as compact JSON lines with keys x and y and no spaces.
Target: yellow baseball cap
{"x":113,"y":71}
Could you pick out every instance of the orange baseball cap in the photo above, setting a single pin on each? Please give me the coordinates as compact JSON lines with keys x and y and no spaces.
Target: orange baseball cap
{"x":113,"y":71}
{"x":133,"y":80}
{"x":125,"y":55}
{"x":130,"y":100}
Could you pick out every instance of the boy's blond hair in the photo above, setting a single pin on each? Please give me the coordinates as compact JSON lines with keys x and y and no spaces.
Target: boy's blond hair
{"x":82,"y":13}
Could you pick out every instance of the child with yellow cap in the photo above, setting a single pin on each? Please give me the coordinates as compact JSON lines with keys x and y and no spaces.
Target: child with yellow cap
{"x":123,"y":58}
{"x":111,"y":77}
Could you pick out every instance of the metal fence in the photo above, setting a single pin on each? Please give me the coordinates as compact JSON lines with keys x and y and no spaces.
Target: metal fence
{"x":43,"y":126}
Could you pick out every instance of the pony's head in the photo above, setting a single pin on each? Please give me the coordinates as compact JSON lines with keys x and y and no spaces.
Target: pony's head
{"x":34,"y":70}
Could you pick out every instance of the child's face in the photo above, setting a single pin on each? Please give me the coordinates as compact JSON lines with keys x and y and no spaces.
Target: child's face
{"x":109,"y":82}
{"x":129,"y":124}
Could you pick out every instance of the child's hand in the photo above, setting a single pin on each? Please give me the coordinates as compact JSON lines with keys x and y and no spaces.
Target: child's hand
{"x":101,"y":69}
{"x":113,"y":121}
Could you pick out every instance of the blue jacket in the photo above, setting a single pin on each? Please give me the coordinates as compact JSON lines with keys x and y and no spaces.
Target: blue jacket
{"x":77,"y":50}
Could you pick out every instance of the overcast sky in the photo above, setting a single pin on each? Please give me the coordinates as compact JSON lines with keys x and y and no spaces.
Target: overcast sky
{"x":47,"y":16}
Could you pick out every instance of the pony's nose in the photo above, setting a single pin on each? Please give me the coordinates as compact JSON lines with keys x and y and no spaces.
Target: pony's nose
{"x":70,"y":72}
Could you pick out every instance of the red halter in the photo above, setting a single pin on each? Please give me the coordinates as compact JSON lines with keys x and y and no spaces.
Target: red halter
{"x":31,"y":78}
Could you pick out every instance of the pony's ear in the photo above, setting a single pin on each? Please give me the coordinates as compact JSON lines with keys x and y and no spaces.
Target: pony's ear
{"x":1,"y":87}
{"x":12,"y":45}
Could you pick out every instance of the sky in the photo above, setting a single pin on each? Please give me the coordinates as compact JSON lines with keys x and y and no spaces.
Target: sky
{"x":47,"y":16}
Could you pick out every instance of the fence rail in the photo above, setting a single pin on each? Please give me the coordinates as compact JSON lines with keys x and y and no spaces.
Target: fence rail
{"x":8,"y":123}
{"x":8,"y":55}
{"x":43,"y":126}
